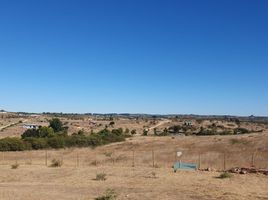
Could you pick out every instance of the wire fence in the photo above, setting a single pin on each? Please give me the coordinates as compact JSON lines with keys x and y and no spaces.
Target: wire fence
{"x":153,"y":158}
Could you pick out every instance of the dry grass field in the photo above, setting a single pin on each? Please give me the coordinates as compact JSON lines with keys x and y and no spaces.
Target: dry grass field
{"x":138,"y":168}
{"x":75,"y":179}
{"x":46,"y":183}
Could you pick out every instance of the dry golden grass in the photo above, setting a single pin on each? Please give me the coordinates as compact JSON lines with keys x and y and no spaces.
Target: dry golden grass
{"x":35,"y":180}
{"x":44,"y":183}
{"x":208,"y":151}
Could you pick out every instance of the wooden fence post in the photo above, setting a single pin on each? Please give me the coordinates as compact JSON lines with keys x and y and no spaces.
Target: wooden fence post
{"x":224,"y":161}
{"x":153,"y":157}
{"x":199,"y":161}
{"x":3,"y":157}
{"x":62,"y":156}
{"x":77,"y":160}
{"x":133,"y":158}
{"x":46,"y":158}
{"x":253,"y":159}
{"x":96,"y":162}
{"x":31,"y":158}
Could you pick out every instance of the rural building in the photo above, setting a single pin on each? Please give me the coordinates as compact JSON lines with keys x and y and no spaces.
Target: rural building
{"x":30,"y":126}
{"x":188,"y":123}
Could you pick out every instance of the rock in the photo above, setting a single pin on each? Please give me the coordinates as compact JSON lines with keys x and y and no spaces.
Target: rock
{"x":243,"y":171}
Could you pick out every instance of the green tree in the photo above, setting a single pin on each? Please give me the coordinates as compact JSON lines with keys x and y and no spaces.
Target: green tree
{"x":45,"y":131}
{"x":30,"y":133}
{"x":145,"y":132}
{"x":133,"y":132}
{"x":56,"y":124}
{"x":112,"y":123}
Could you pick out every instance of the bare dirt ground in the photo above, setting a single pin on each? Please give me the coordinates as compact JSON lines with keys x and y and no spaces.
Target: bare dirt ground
{"x":45,"y":183}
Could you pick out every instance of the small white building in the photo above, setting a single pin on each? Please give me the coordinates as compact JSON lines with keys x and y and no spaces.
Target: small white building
{"x":188,"y":123}
{"x":30,"y":126}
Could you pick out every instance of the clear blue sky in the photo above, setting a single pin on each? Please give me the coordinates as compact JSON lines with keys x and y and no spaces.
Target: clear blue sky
{"x":137,"y":56}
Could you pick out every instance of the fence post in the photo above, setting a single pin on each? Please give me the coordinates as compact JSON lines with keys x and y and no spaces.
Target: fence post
{"x":153,"y":157}
{"x":31,"y":159}
{"x":224,"y":161}
{"x":16,"y":159}
{"x":96,"y":162}
{"x":62,"y":156}
{"x":253,"y":159}
{"x":133,"y":158}
{"x":77,"y":160}
{"x":199,"y":161}
{"x":46,"y":158}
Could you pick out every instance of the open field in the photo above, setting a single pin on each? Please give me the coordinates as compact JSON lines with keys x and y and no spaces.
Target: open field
{"x":75,"y":179}
{"x":45,"y":183}
{"x":218,"y":152}
{"x":138,"y":168}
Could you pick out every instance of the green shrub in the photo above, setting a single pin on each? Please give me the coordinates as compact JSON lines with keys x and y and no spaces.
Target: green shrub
{"x":45,"y":131}
{"x":94,"y":140}
{"x":56,"y":142}
{"x":13,"y":144}
{"x":241,"y":131}
{"x":31,"y":139}
{"x":37,"y":143}
{"x":225,"y":175}
{"x":56,"y":124}
{"x":30,"y":133}
{"x":76,"y":140}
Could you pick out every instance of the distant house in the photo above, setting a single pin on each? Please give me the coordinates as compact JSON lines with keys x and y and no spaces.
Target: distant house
{"x":188,"y":123}
{"x":30,"y":126}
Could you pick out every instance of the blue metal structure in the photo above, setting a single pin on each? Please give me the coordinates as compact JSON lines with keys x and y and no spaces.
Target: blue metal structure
{"x":180,"y":165}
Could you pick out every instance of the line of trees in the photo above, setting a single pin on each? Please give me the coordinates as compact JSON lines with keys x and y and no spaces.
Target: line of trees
{"x":55,"y":136}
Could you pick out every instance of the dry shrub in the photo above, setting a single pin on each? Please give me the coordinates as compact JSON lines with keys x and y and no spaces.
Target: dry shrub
{"x":100,"y":177}
{"x":225,"y":175}
{"x":151,"y":175}
{"x":56,"y":163}
{"x":94,"y":163}
{"x":108,"y":154}
{"x":15,"y":166}
{"x":110,"y":194}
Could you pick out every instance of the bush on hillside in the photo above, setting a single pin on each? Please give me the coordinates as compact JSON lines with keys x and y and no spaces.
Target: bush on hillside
{"x":56,"y":142}
{"x":31,"y":139}
{"x":13,"y":144}
{"x":37,"y":143}
{"x":56,"y":124}
{"x":241,"y":131}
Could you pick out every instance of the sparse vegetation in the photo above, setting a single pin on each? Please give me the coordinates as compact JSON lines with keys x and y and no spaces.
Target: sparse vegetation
{"x":100,"y":177}
{"x":225,"y":175}
{"x":153,"y":175}
{"x":110,"y":194}
{"x":56,"y":163}
{"x":133,"y":132}
{"x":241,"y":131}
{"x":47,"y":137}
{"x":15,"y":166}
